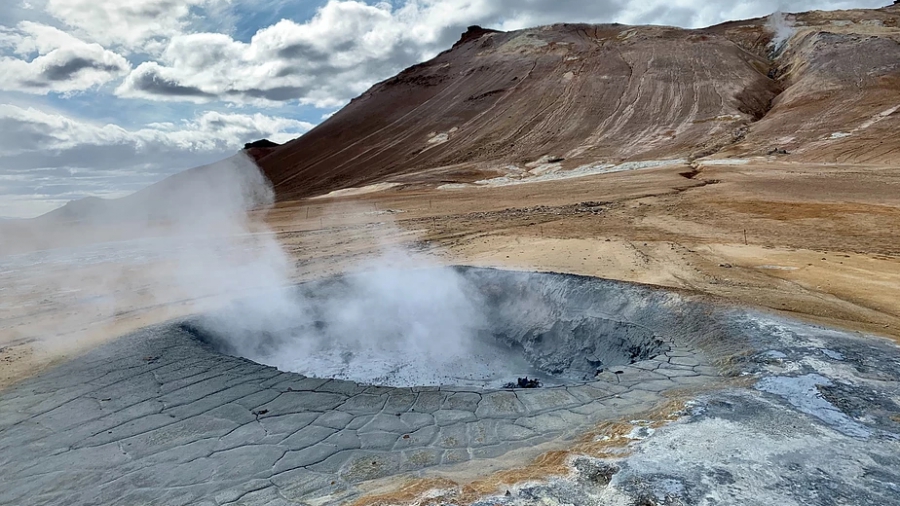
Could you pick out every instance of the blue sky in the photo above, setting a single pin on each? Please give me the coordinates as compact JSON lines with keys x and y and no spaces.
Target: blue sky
{"x":103,"y":97}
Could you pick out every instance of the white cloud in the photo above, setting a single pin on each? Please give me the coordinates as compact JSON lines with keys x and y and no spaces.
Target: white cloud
{"x":349,"y":45}
{"x":324,"y":61}
{"x":134,"y":25}
{"x":33,"y":134}
{"x":62,"y":63}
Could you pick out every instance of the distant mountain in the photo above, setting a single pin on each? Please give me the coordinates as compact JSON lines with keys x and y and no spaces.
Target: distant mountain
{"x":260,"y":149}
{"x":233,"y":184}
{"x":587,"y":94}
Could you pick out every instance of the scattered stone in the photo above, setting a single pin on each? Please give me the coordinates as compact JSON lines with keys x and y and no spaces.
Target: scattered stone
{"x":262,"y":143}
{"x":523,"y":383}
{"x":594,"y":471}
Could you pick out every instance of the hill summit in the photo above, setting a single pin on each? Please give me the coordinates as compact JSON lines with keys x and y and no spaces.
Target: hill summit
{"x":811,"y":86}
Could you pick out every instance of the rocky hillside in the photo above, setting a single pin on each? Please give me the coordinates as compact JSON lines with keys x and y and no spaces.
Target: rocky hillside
{"x":810,"y":87}
{"x":827,"y":88}
{"x":840,"y":75}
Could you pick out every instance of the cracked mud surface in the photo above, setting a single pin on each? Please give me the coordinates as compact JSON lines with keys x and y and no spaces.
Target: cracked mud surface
{"x":160,"y":417}
{"x":176,"y":423}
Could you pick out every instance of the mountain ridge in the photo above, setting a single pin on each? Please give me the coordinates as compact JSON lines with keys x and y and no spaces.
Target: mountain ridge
{"x":604,"y":94}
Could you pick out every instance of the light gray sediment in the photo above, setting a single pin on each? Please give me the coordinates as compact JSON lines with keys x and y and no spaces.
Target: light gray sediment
{"x":818,"y":424}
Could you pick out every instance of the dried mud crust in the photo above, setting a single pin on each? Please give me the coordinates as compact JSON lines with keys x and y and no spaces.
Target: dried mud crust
{"x":159,"y":416}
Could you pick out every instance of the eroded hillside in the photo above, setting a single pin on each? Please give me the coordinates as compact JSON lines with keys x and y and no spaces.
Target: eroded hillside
{"x":581,"y":95}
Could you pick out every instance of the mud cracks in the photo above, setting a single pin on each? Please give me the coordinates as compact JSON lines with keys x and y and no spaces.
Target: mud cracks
{"x":163,"y":417}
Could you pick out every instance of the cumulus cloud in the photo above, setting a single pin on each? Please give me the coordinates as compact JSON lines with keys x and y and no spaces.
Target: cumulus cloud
{"x":349,"y":44}
{"x":324,"y":61}
{"x":49,"y":158}
{"x":48,"y":59}
{"x":133,"y":25}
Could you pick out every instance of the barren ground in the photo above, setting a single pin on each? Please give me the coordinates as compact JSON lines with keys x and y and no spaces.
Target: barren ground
{"x":816,"y":241}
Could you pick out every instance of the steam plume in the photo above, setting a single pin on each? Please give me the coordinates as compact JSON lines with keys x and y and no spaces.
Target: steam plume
{"x":199,"y":241}
{"x":782,"y":29}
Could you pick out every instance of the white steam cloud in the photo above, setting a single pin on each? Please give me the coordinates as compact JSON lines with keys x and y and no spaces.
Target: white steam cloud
{"x":397,"y":319}
{"x":96,"y":268}
{"x":198,"y":242}
{"x":782,"y":29}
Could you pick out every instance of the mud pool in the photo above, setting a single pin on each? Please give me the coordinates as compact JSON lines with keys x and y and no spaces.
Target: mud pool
{"x":775,"y":411}
{"x":557,"y":329}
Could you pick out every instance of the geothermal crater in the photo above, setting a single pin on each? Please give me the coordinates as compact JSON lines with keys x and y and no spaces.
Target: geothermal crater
{"x":465,"y":327}
{"x":175,"y":404}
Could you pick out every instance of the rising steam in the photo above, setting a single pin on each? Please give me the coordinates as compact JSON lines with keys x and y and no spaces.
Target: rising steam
{"x":782,"y":29}
{"x":196,"y":243}
{"x":397,"y":319}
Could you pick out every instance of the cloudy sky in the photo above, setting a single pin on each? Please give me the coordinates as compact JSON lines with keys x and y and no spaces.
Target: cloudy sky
{"x":103,"y":97}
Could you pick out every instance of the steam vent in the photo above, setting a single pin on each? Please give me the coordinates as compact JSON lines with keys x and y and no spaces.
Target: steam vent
{"x":559,"y":330}
{"x":175,"y":414}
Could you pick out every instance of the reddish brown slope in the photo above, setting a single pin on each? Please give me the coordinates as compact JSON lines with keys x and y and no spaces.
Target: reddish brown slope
{"x":597,"y":94}
{"x":610,"y":93}
{"x":586,"y":93}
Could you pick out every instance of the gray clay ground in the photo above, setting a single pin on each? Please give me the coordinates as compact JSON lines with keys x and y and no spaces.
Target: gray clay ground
{"x":160,"y":417}
{"x":818,"y":425}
